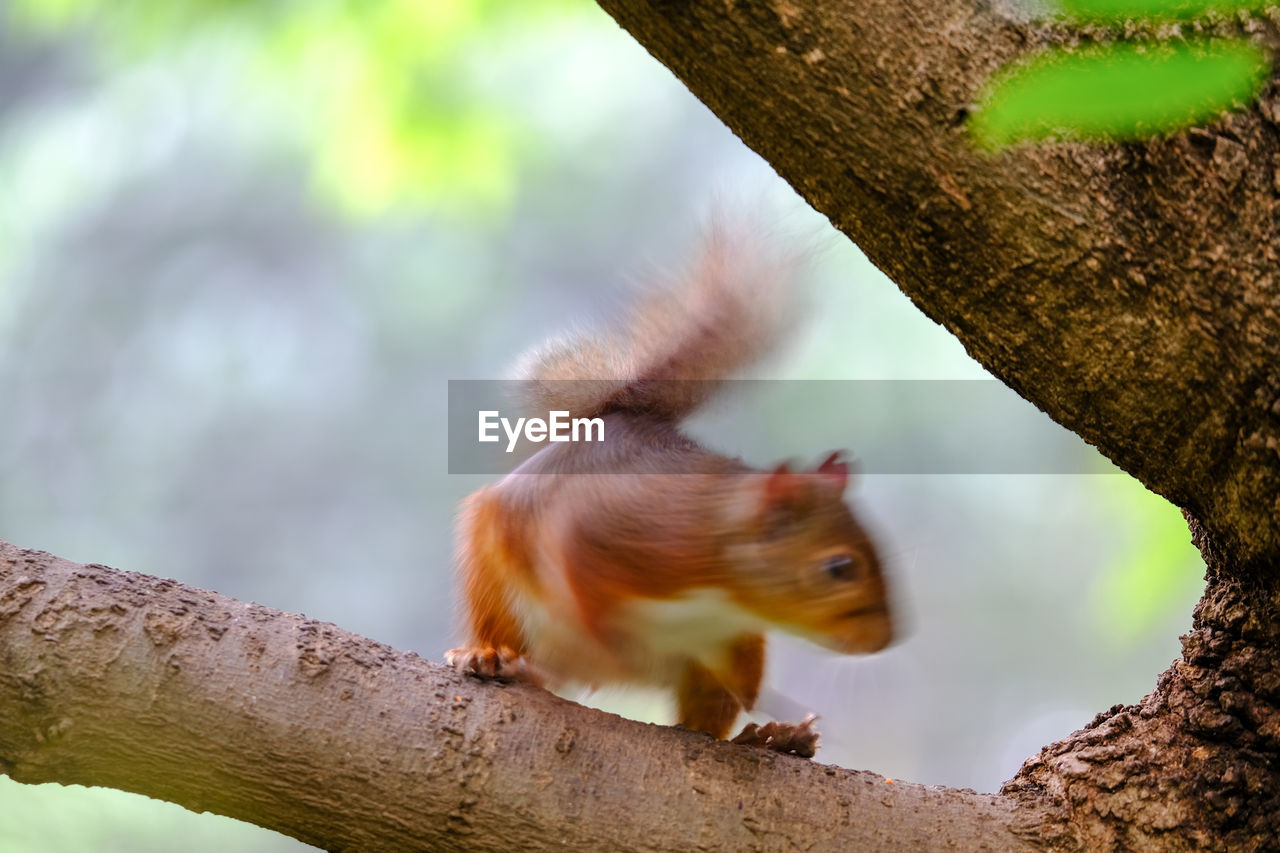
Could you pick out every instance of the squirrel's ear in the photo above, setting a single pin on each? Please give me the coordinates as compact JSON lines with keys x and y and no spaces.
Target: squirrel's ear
{"x":781,"y":486}
{"x":836,"y":469}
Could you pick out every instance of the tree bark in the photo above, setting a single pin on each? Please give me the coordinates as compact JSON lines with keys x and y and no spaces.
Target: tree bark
{"x":1128,"y":290}
{"x":133,"y":682}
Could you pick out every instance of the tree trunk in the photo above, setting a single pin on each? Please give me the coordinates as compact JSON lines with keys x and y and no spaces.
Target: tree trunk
{"x":1130,"y":291}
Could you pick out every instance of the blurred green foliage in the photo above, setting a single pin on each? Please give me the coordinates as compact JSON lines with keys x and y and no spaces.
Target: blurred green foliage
{"x":391,"y":92}
{"x":75,"y":819}
{"x":1145,"y":581}
{"x":1121,"y":90}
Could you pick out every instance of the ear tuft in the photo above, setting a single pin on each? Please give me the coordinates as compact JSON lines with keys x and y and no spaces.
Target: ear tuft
{"x":835,"y":468}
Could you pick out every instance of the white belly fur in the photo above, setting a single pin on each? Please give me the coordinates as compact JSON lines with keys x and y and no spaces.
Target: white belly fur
{"x":648,"y":640}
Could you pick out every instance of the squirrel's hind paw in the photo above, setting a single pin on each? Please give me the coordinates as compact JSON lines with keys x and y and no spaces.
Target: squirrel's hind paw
{"x":490,"y":662}
{"x":788,"y":738}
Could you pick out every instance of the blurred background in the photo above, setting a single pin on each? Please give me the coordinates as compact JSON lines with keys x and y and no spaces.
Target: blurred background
{"x":243,"y":247}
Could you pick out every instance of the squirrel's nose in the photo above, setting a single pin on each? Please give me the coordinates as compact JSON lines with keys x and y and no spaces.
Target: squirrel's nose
{"x":863,"y":631}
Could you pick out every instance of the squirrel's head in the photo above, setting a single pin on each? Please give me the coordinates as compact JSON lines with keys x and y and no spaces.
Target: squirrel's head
{"x":808,"y":566}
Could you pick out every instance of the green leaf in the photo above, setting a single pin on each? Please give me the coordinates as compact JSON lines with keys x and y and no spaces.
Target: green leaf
{"x":1118,"y":91}
{"x":1122,"y":10}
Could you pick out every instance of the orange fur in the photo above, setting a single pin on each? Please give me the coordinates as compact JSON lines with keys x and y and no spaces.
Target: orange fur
{"x":609,"y":578}
{"x":493,"y":565}
{"x":709,"y":701}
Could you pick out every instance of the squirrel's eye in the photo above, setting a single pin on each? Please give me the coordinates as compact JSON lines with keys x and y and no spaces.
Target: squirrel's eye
{"x":840,"y":567}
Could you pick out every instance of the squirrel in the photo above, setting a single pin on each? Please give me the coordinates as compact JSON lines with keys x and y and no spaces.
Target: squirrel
{"x":648,"y":559}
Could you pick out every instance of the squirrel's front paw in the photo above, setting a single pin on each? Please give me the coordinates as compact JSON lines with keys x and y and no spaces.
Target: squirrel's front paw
{"x":489,"y":662}
{"x":789,"y":738}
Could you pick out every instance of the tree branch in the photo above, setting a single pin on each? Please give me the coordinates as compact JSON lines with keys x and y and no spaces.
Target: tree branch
{"x":1127,"y":290}
{"x":128,"y":681}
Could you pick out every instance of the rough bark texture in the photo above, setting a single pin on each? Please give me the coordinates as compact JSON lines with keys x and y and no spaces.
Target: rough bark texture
{"x":128,"y":681}
{"x":1130,"y":291}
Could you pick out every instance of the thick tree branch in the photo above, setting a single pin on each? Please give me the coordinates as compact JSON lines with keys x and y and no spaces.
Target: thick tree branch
{"x":128,"y":681}
{"x":1128,"y":290}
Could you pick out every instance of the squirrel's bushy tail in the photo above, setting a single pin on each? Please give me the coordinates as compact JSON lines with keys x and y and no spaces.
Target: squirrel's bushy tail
{"x":681,"y":339}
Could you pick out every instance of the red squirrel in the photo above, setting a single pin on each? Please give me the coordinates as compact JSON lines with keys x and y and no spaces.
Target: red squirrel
{"x":649,"y":559}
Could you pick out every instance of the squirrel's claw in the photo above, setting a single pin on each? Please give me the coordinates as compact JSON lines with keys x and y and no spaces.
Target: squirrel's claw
{"x":789,"y":738}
